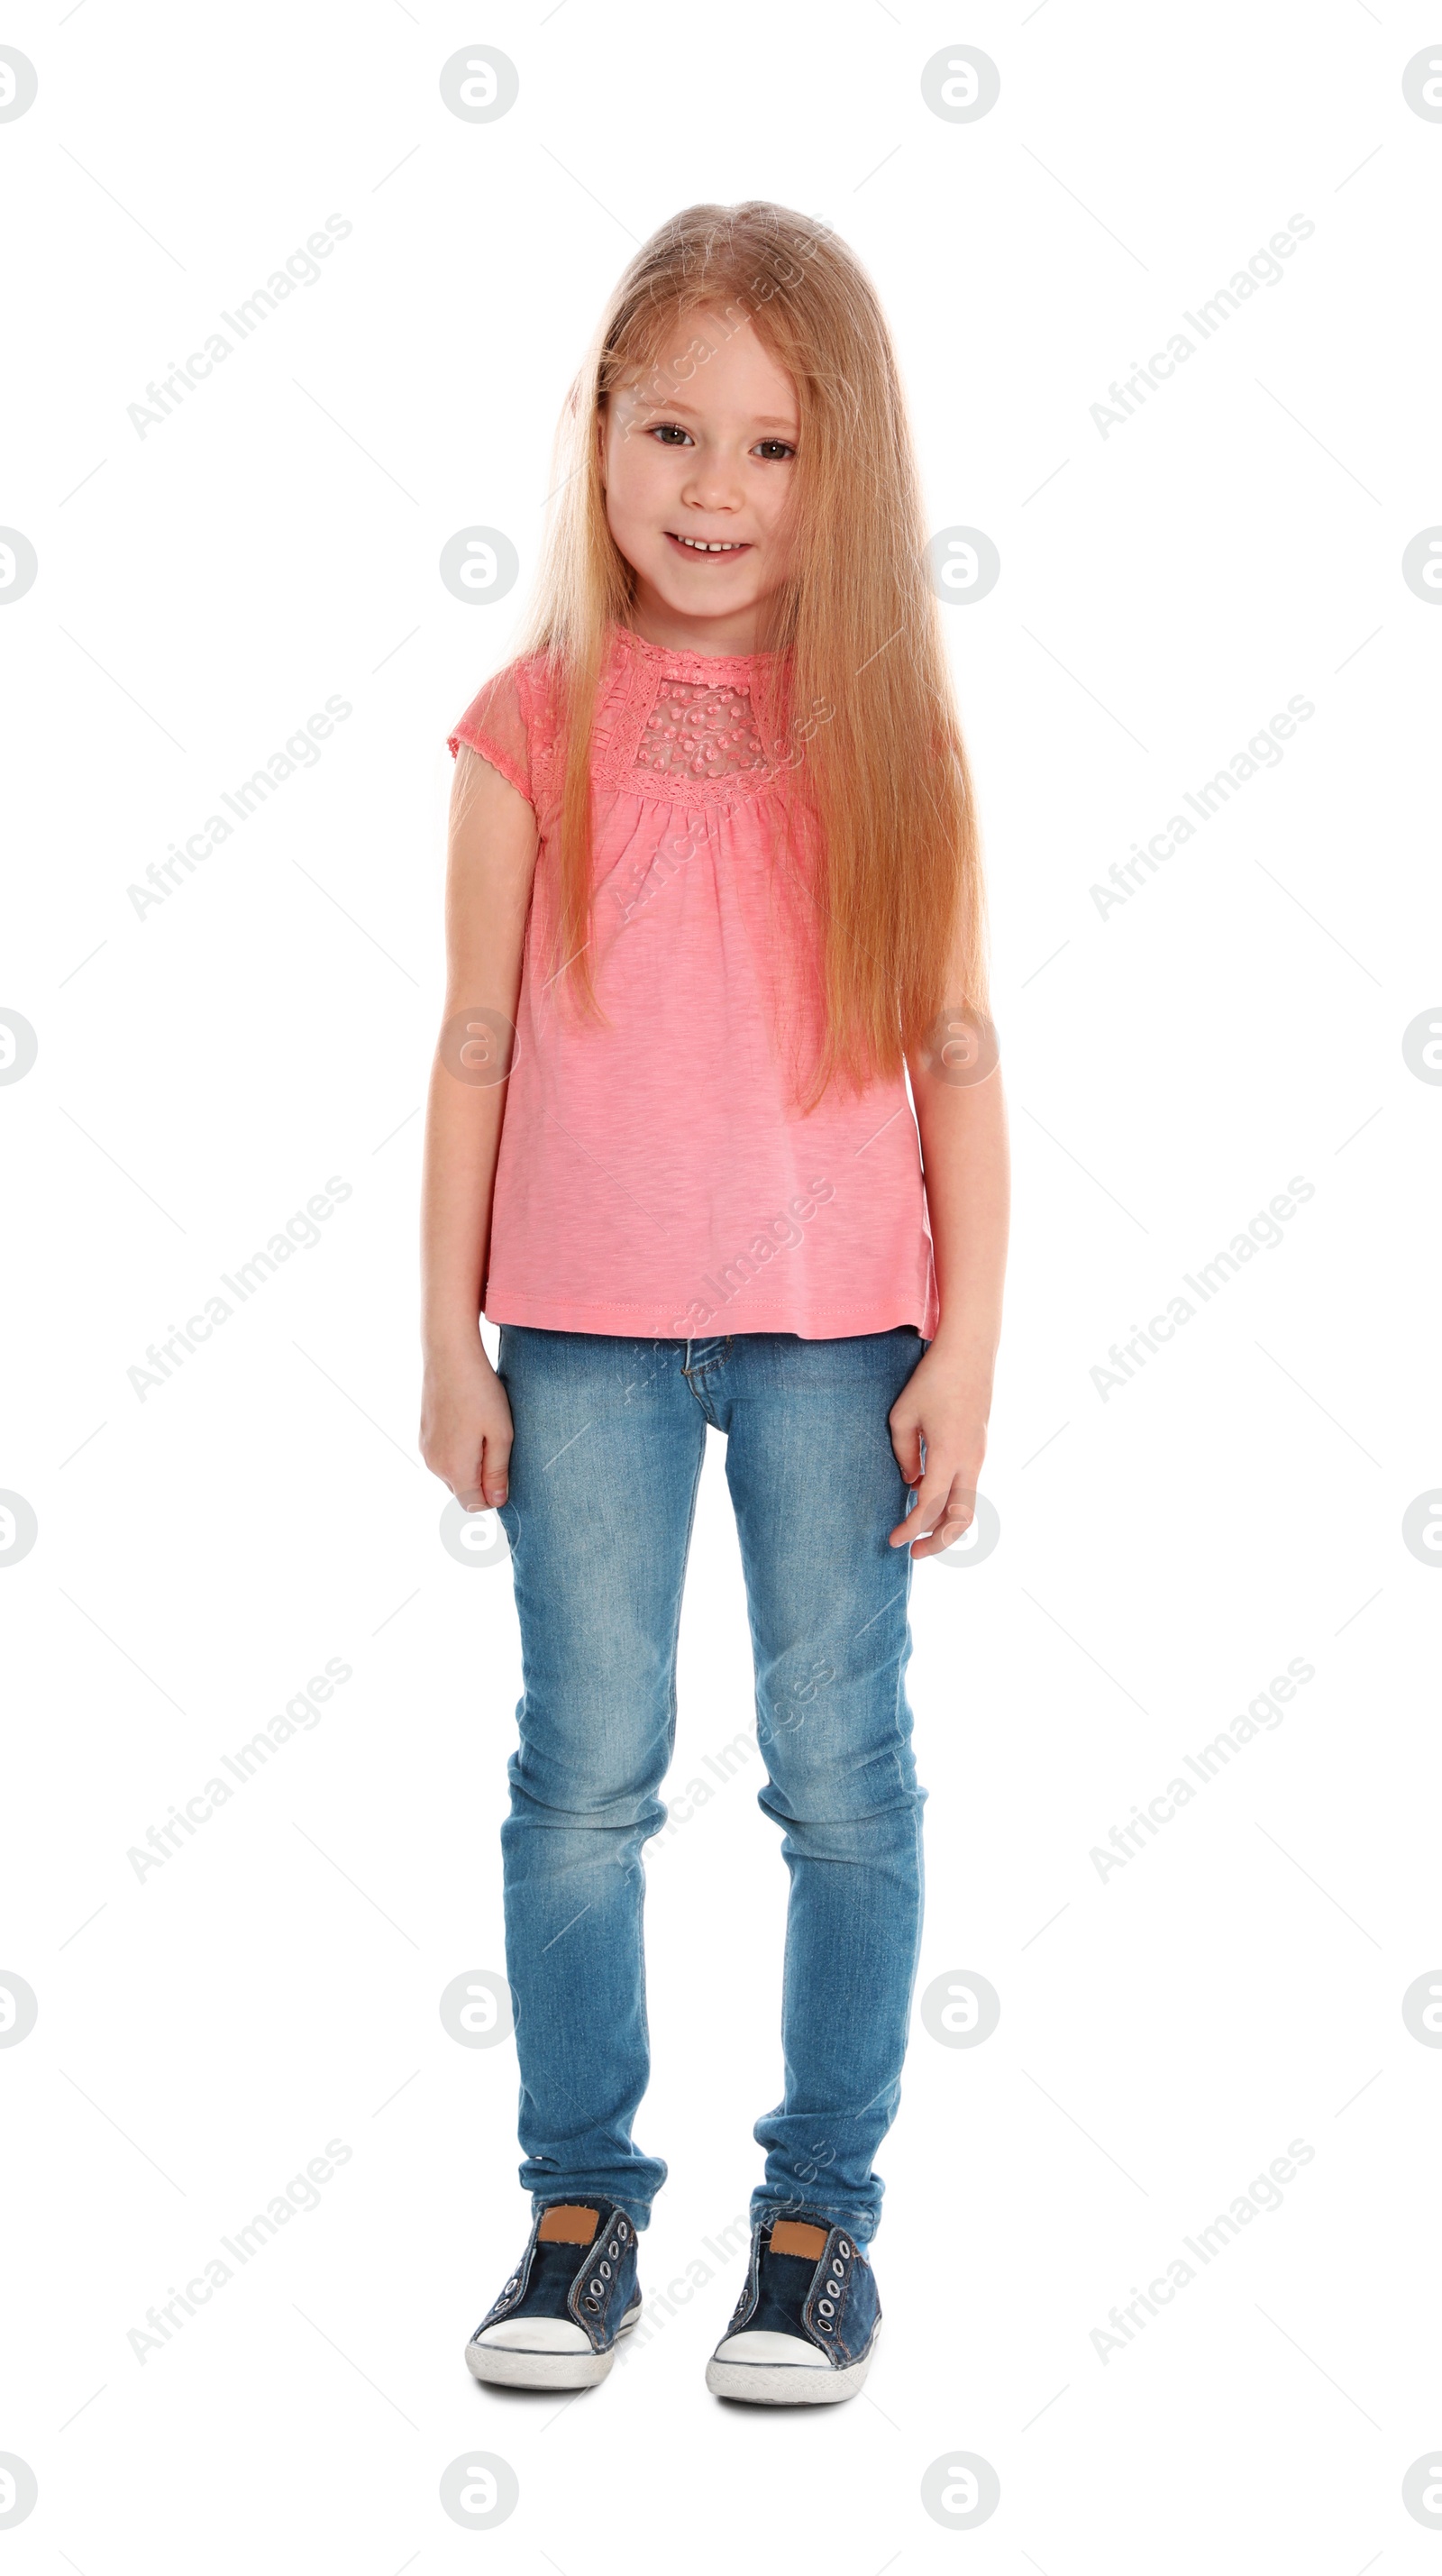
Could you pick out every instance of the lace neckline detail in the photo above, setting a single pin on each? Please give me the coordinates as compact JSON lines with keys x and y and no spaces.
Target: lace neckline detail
{"x":670,"y":661}
{"x":693,"y":728}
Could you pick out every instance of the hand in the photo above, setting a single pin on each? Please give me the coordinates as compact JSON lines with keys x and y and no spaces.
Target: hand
{"x":466,"y":1427}
{"x":944,"y":1404}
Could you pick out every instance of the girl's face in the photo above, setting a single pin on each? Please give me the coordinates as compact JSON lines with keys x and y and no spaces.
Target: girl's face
{"x":697,"y":461}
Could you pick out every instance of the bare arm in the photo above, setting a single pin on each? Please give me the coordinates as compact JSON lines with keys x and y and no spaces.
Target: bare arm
{"x":947,"y":1400}
{"x":465,"y":1419}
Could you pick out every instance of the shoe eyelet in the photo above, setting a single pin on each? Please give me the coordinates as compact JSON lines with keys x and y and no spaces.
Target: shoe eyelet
{"x":611,"y":2249}
{"x":845,"y":2249}
{"x":827,"y":2309}
{"x":605,"y":2271}
{"x":593,"y":2304}
{"x":826,"y":2325}
{"x":597,"y":2289}
{"x":838,"y":2268}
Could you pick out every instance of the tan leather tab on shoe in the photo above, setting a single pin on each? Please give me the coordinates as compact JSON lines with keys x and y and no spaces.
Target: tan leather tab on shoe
{"x":797,"y":2236}
{"x":565,"y":2225}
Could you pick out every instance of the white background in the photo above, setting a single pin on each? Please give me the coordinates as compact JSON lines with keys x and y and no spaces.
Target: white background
{"x":203,"y":1070}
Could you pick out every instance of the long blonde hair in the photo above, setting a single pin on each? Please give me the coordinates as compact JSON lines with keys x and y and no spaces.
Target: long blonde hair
{"x":896,"y":874}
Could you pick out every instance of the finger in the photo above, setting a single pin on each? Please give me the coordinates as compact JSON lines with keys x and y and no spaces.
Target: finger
{"x":465,"y":1481}
{"x":906,"y":1447}
{"x":959,"y":1510}
{"x":931,"y":1494}
{"x":495,"y":1472}
{"x":952,"y":1521}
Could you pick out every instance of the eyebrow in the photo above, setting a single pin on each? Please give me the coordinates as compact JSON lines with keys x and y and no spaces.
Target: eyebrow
{"x":760,"y":420}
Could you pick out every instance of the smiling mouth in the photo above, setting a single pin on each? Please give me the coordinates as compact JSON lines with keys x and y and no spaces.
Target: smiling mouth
{"x":709,"y":546}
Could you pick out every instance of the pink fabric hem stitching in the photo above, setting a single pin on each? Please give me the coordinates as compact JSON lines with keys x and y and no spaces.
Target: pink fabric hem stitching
{"x":494,"y":757}
{"x":636,"y":1322}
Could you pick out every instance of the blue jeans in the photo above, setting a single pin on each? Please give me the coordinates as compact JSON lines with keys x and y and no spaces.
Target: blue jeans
{"x":609,"y":1439}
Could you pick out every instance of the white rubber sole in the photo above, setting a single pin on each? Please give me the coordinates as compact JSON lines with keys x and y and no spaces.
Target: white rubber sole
{"x":787,"y":2383}
{"x":502,"y":2366}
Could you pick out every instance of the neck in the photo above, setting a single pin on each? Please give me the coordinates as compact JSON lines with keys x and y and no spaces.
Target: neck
{"x":674,"y":632}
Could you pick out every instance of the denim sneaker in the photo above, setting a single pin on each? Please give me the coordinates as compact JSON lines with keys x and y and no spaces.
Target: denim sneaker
{"x":806,"y":2323}
{"x":571,"y":2296}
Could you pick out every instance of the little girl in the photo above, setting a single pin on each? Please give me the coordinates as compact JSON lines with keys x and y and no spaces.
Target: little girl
{"x":714,"y":888}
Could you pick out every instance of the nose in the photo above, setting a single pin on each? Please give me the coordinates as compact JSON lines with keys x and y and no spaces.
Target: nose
{"x":713,"y":484}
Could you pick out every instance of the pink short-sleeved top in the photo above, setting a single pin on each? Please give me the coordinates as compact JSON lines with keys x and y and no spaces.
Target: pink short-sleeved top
{"x":657,"y":1176}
